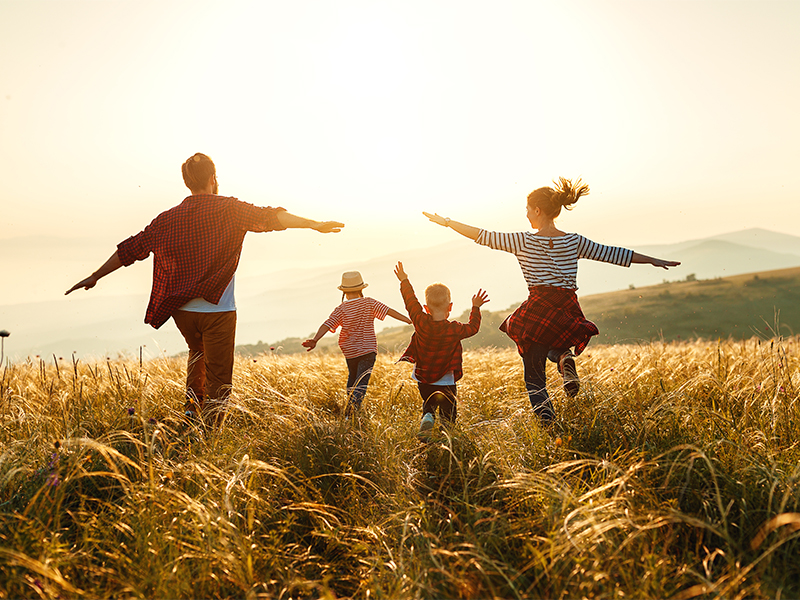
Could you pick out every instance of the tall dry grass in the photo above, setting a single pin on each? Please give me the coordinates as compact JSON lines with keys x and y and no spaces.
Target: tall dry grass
{"x":673,"y":474}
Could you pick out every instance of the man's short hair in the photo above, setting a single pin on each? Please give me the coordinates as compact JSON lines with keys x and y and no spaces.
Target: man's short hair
{"x":197,"y":170}
{"x":437,"y":295}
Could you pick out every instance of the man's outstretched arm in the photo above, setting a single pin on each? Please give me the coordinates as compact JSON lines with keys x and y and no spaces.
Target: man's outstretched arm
{"x":291,"y":221}
{"x":111,"y":265}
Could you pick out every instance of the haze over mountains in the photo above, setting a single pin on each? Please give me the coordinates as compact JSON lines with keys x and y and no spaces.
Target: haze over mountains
{"x":293,"y":302}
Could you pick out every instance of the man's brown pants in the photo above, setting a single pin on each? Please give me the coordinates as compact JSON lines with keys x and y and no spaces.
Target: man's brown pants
{"x":209,"y":371}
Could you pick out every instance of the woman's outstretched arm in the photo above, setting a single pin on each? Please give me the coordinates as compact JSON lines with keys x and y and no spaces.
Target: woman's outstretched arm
{"x":656,"y":262}
{"x":462,"y":228}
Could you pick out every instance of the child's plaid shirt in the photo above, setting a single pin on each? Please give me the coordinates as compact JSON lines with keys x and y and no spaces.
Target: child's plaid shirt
{"x":436,"y":345}
{"x":196,"y":247}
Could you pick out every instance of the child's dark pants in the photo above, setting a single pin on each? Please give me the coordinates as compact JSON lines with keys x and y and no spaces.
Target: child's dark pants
{"x":445,"y":400}
{"x":359,"y":371}
{"x":533,"y":362}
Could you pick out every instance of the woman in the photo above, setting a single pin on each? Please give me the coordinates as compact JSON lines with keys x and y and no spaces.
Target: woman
{"x":550,"y":322}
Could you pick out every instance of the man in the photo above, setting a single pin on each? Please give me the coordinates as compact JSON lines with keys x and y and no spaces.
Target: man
{"x":196,"y":247}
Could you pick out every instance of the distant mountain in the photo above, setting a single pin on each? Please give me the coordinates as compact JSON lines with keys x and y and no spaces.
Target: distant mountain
{"x":294,"y":303}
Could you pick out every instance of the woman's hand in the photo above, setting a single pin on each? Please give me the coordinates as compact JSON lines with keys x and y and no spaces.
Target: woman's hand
{"x":466,"y":230}
{"x":480,"y":298}
{"x":438,"y":219}
{"x":656,"y":262}
{"x":310,"y":344}
{"x":664,"y":264}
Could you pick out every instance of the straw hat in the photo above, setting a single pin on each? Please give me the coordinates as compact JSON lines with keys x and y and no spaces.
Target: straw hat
{"x":352,"y":282}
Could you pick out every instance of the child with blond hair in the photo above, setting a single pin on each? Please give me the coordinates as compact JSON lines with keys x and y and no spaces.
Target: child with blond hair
{"x":435,"y":347}
{"x":356,"y":316}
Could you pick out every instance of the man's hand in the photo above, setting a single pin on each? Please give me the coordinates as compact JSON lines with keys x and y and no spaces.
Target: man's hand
{"x":86,"y":284}
{"x":310,"y":344}
{"x":480,"y":298}
{"x":398,"y":270}
{"x":328,"y":226}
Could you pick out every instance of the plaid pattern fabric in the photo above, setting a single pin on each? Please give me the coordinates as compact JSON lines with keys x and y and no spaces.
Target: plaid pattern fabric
{"x":550,"y":316}
{"x":435,"y":345}
{"x":196,"y":247}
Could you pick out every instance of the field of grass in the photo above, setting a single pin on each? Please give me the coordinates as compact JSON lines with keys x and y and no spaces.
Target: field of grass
{"x":673,"y":474}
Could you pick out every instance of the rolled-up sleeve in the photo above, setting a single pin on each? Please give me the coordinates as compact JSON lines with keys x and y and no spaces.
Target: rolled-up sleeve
{"x":258,"y":218}
{"x":135,"y":248}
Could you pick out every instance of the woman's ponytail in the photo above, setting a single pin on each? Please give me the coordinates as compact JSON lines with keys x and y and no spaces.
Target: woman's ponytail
{"x":565,"y":194}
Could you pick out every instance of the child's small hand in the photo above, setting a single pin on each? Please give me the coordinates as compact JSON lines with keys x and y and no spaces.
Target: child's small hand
{"x":480,"y":298}
{"x":310,"y":344}
{"x":398,"y":270}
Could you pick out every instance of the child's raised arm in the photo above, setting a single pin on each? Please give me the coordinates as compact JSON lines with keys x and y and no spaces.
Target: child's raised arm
{"x":462,"y":228}
{"x":656,"y":262}
{"x":481,"y":298}
{"x":399,"y":272}
{"x":312,"y":343}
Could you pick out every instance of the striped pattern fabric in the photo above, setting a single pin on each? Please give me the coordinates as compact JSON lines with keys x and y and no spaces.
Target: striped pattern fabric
{"x":553,"y":261}
{"x":196,"y":247}
{"x":357,"y":317}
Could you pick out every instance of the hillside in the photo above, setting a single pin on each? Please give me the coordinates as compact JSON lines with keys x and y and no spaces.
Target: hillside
{"x":737,"y":307}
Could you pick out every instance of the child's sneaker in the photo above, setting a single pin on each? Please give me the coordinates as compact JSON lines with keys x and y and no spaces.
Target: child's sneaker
{"x":427,"y":424}
{"x":566,"y":366}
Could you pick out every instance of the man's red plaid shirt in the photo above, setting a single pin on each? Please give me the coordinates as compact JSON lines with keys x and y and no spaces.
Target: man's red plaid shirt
{"x":435,"y":345}
{"x":550,"y":316}
{"x":196,"y":247}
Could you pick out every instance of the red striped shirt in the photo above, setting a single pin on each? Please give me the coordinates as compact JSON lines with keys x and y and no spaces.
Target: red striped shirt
{"x":357,"y":317}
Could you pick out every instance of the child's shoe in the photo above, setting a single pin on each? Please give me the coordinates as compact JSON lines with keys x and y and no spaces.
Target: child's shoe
{"x":566,"y":366}
{"x":427,"y":425}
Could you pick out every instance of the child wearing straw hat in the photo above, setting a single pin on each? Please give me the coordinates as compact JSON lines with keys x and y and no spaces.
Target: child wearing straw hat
{"x":356,"y":316}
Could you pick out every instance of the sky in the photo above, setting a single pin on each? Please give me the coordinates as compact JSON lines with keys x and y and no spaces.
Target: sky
{"x":681,"y":115}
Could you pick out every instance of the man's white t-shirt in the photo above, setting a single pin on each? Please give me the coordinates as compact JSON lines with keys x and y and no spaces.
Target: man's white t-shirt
{"x":226,"y":304}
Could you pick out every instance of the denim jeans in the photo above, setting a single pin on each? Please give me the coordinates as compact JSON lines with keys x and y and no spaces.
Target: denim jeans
{"x":445,"y":400}
{"x":359,"y":371}
{"x":533,"y":362}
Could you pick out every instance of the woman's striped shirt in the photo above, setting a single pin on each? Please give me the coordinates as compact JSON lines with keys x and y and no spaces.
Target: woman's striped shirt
{"x":356,"y":318}
{"x":553,"y":261}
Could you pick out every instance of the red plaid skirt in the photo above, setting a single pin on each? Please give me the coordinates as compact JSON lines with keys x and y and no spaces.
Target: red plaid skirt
{"x":552,"y":317}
